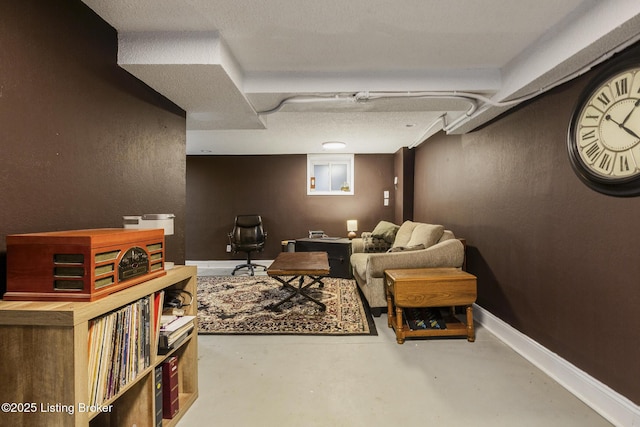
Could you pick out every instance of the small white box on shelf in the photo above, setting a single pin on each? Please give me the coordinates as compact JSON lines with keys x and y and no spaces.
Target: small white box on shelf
{"x":164,"y":221}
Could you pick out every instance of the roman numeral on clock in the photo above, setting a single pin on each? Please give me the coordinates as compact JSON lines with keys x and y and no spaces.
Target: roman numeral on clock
{"x":622,"y":87}
{"x":593,"y":152}
{"x":624,"y":164}
{"x":605,"y":161}
{"x":604,"y":99}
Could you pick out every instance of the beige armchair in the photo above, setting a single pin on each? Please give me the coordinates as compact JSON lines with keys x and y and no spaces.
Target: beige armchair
{"x":415,"y":245}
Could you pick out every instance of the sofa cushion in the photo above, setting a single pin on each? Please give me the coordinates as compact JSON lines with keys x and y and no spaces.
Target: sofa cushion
{"x":404,"y":233}
{"x":426,"y":234}
{"x":407,"y":248}
{"x":385,"y":230}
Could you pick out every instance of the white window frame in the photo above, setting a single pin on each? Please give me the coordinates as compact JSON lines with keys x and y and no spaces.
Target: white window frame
{"x":329,"y":159}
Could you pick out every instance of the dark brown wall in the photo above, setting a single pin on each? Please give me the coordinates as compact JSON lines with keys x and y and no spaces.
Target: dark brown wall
{"x":554,"y":259}
{"x":403,"y":165}
{"x":82,"y":142}
{"x":221,"y":187}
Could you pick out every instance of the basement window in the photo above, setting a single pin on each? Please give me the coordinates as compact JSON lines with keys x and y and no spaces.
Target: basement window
{"x":330,"y":174}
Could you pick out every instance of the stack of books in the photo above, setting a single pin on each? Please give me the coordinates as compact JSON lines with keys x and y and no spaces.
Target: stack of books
{"x":174,"y":330}
{"x":119,"y":349}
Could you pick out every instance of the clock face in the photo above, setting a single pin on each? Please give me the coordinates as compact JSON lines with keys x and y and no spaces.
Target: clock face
{"x":604,"y":135}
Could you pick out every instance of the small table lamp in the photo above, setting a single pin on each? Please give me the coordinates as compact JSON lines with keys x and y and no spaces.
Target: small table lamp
{"x":352,"y":227}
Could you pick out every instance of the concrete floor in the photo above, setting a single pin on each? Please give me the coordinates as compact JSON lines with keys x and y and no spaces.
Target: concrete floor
{"x":306,"y":381}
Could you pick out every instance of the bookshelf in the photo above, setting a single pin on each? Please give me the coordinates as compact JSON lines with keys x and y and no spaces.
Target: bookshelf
{"x":45,"y":368}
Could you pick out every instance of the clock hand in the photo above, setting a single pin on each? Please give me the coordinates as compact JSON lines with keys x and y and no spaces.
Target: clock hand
{"x":629,"y":131}
{"x":622,"y":126}
{"x":630,"y":112}
{"x":608,"y":117}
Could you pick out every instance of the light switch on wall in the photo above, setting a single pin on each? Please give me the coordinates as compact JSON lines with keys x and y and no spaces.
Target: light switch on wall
{"x":386,"y":194}
{"x":386,"y":202}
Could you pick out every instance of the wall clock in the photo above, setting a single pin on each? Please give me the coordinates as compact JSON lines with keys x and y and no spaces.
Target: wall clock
{"x":604,"y":133}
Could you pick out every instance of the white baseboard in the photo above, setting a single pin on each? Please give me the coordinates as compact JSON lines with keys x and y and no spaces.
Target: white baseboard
{"x":616,"y":408}
{"x":226,"y":263}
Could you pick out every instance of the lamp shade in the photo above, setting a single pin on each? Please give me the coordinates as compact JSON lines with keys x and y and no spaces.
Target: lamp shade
{"x":352,"y":227}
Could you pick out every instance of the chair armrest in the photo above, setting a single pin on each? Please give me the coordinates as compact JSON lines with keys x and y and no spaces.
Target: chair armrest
{"x":449,"y":253}
{"x":357,"y":245}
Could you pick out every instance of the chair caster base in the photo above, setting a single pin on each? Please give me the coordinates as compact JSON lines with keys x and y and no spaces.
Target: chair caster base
{"x":250,"y":268}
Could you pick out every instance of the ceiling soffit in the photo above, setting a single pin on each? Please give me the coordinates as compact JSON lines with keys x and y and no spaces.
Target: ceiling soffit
{"x":199,"y":71}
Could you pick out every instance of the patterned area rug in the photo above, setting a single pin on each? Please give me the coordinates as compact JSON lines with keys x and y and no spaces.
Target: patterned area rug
{"x":238,"y":305}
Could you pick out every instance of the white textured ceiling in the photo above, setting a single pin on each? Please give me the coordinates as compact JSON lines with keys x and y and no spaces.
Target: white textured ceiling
{"x":376,"y":74}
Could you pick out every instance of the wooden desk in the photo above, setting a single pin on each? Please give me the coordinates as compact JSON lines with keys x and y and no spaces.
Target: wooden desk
{"x":298,"y":265}
{"x":430,"y":287}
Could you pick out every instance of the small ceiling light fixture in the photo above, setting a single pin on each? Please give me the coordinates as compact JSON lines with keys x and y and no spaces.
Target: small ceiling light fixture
{"x":333,"y":145}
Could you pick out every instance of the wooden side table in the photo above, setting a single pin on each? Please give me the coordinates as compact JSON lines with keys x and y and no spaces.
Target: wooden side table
{"x":430,"y":287}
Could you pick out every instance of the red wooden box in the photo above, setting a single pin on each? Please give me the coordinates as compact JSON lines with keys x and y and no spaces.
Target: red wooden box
{"x":81,"y":265}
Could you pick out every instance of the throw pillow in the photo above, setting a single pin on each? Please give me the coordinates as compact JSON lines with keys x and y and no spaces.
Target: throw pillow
{"x":427,"y":234}
{"x":406,"y":248}
{"x":404,"y":233}
{"x":374,"y":244}
{"x":385,"y":230}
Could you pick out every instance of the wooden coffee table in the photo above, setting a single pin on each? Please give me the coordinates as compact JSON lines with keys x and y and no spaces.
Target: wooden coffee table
{"x":289,"y":266}
{"x":430,"y":287}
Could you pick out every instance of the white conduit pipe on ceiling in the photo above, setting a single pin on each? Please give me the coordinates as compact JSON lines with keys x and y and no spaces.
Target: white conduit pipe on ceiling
{"x":307,"y":99}
{"x":470,"y":97}
{"x":424,"y":134}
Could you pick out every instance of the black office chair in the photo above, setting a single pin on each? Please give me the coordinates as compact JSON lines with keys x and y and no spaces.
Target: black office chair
{"x":247,"y":236}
